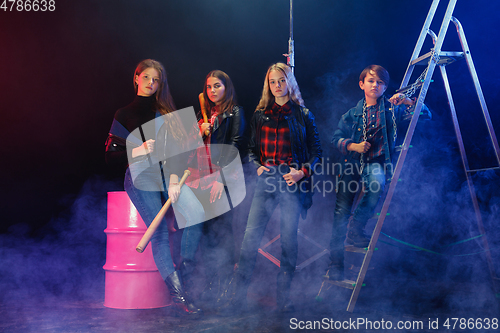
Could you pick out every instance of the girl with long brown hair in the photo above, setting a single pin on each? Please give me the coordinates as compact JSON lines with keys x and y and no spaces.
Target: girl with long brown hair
{"x":142,"y":134}
{"x":223,"y":134}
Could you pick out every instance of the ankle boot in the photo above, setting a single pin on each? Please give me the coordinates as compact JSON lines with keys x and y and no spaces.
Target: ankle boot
{"x":283,"y":292}
{"x":179,"y":297}
{"x":355,"y":235}
{"x":186,"y":269}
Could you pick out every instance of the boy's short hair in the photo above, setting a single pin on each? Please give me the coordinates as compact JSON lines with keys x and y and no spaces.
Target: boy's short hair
{"x":381,"y":72}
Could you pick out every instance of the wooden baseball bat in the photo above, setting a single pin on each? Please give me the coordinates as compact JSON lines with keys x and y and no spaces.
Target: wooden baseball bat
{"x":204,"y":111}
{"x":157,"y":220}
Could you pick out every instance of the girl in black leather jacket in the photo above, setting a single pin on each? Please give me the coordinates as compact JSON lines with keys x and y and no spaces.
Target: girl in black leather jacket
{"x":222,"y":128}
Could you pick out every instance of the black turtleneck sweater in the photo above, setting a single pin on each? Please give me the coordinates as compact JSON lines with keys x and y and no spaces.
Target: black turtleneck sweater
{"x":139,"y":112}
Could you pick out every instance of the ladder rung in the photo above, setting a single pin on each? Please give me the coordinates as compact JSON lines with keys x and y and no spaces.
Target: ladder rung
{"x":352,"y":248}
{"x":445,"y":58}
{"x":398,"y":148}
{"x":348,"y":284}
{"x":485,"y":169}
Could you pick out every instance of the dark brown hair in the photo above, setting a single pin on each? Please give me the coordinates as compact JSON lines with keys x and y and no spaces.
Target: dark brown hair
{"x":381,"y":72}
{"x":229,"y":99}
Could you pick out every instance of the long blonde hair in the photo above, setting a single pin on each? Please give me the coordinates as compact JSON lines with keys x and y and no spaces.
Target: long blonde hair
{"x":164,"y":101}
{"x":267,"y":98}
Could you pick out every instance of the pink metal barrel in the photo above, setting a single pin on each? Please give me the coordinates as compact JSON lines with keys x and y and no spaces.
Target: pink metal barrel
{"x":132,"y":279}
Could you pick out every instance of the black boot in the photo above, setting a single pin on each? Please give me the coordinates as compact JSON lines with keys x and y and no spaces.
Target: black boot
{"x":186,"y":269}
{"x":283,"y":292}
{"x":179,"y":297}
{"x":355,"y":235}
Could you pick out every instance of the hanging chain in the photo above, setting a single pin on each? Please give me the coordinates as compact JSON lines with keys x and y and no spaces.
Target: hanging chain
{"x":394,"y":125}
{"x":435,"y":57}
{"x":413,"y":88}
{"x":364,"y":137}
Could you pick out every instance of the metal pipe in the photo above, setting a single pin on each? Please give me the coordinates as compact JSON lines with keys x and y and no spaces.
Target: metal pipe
{"x":291,"y":53}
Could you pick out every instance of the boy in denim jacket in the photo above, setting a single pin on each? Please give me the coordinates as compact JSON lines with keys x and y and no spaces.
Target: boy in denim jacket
{"x":366,"y":137}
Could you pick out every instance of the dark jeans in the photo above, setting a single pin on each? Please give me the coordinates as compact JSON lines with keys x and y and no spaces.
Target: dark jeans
{"x":149,"y":203}
{"x":373,"y":179}
{"x":217,"y":241}
{"x":271,"y":190}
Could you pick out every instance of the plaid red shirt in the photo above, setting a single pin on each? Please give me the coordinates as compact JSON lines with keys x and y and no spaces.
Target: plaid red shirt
{"x":374,"y":133}
{"x":275,"y":136}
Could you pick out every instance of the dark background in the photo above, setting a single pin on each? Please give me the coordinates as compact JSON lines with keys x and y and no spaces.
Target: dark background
{"x":65,"y":73}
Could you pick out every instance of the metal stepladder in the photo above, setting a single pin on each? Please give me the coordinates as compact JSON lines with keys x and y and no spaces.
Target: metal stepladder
{"x":436,"y":57}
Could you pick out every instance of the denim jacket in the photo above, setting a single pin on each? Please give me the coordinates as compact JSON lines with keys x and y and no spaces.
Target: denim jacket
{"x":350,"y":130}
